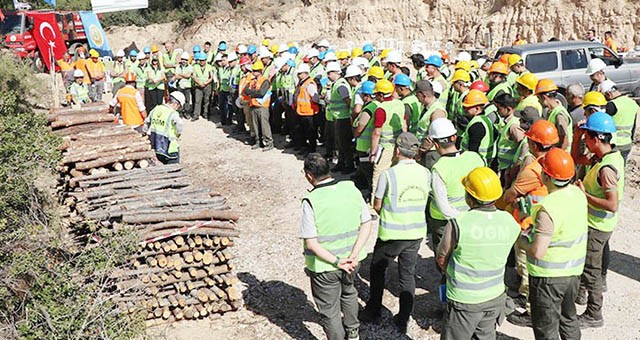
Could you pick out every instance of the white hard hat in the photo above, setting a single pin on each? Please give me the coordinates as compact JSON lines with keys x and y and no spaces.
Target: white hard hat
{"x":303,"y":68}
{"x":333,"y":66}
{"x":441,"y":128}
{"x":185,"y":56}
{"x":218,"y":57}
{"x":179,"y":97}
{"x":330,"y":57}
{"x":141,"y":56}
{"x":595,"y":65}
{"x":352,"y":71}
{"x":313,"y":53}
{"x":120,"y":53}
{"x":437,"y":87}
{"x":232,"y":56}
{"x":263,"y":51}
{"x":282,"y":48}
{"x":242,"y":49}
{"x":265,"y":54}
{"x":463,"y":56}
{"x":481,"y":61}
{"x":279,"y":62}
{"x":323,"y":43}
{"x":78,"y":74}
{"x":394,"y":57}
{"x":360,"y":61}
{"x":607,"y":86}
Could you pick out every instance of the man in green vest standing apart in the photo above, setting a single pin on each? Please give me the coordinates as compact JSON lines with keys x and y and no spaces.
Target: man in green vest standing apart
{"x":473,"y":252}
{"x":335,"y":227}
{"x":164,"y":126}
{"x":624,"y":112}
{"x":556,"y":249}
{"x":400,"y":199}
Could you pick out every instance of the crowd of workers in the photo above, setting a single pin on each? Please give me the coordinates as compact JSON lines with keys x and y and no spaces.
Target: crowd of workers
{"x":475,"y":154}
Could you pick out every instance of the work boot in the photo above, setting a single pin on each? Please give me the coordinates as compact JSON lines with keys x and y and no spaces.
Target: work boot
{"x":251,"y":141}
{"x":587,"y":321}
{"x":581,"y":298}
{"x":400,"y":323}
{"x":267,"y":147}
{"x":369,"y":316}
{"x":255,"y":146}
{"x":194,"y":118}
{"x":520,"y":319}
{"x":520,"y":301}
{"x":353,"y":334}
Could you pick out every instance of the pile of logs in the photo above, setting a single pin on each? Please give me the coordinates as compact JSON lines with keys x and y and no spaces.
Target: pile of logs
{"x":182,"y":266}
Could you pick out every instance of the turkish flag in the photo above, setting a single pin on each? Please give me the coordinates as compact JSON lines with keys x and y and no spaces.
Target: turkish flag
{"x":48,"y":38}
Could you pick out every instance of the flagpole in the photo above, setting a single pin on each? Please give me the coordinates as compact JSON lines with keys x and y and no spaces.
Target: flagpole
{"x":52,"y":72}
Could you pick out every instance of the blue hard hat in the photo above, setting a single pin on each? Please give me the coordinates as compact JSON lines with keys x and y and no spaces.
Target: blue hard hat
{"x":434,"y":60}
{"x":291,"y":63}
{"x":368,"y":48}
{"x":322,"y":54}
{"x":293,"y":50}
{"x":402,"y":79}
{"x":200,"y":56}
{"x":146,"y":50}
{"x":197,"y":49}
{"x":367,"y":87}
{"x":600,"y":122}
{"x":222,"y":46}
{"x":133,"y":53}
{"x":251,"y":49}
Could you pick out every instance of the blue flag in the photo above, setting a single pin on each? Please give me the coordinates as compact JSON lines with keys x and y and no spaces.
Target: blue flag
{"x":51,"y":2}
{"x":95,"y":34}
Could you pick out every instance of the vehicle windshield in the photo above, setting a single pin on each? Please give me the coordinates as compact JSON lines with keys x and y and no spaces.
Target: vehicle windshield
{"x":11,"y":24}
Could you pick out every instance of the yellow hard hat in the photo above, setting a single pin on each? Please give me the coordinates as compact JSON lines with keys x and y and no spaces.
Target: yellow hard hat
{"x":463,"y":65}
{"x":274,"y":48}
{"x":483,"y":184}
{"x":383,"y":53}
{"x":257,"y":66}
{"x":343,"y":54}
{"x":154,"y":49}
{"x":461,"y":75}
{"x":383,"y":86}
{"x":356,"y":52}
{"x":513,"y":59}
{"x":528,"y":80}
{"x":291,"y":44}
{"x":266,"y":42}
{"x":474,"y":64}
{"x":376,"y":72}
{"x":594,"y":98}
{"x":93,"y":53}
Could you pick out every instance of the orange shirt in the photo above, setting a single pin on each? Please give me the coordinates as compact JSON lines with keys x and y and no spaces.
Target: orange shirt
{"x":529,"y":182}
{"x":610,"y":43}
{"x":81,"y":64}
{"x":96,"y":69}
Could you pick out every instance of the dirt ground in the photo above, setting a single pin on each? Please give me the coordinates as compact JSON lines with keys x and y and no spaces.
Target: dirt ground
{"x":266,"y":188}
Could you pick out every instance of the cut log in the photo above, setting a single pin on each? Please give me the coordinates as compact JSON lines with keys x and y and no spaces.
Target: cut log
{"x":143,"y":163}
{"x":117,"y":166}
{"x":70,"y":131}
{"x":82,"y":119}
{"x":128,"y":165}
{"x":112,"y":159}
{"x":201,"y":214}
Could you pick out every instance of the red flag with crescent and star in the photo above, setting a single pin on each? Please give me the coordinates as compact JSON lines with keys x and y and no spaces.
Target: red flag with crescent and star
{"x":48,"y":37}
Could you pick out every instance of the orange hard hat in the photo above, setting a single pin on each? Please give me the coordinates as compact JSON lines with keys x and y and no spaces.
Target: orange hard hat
{"x":475,"y":98}
{"x":129,"y":77}
{"x":499,"y":67}
{"x":558,"y":164}
{"x":543,"y":132}
{"x":505,"y":58}
{"x":546,"y":85}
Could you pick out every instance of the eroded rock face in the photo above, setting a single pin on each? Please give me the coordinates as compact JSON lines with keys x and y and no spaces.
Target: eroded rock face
{"x":483,"y":23}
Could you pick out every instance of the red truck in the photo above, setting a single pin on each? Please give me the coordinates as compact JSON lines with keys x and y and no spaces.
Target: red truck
{"x":17,"y":33}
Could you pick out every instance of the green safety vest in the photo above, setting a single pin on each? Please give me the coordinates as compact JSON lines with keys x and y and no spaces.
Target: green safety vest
{"x":416,"y":109}
{"x":316,"y":71}
{"x":173,"y":59}
{"x":501,"y":87}
{"x":507,"y":148}
{"x":394,"y":123}
{"x":475,"y":271}
{"x":404,"y":203}
{"x":132,"y":65}
{"x":601,"y":219}
{"x":511,"y":78}
{"x":514,"y":84}
{"x":625,"y":119}
{"x":118,"y":68}
{"x":459,"y":111}
{"x":487,"y":147}
{"x":445,"y":88}
{"x":422,"y":129}
{"x":163,"y":134}
{"x":184,"y":83}
{"x":202,"y":73}
{"x":156,"y":73}
{"x":552,"y":119}
{"x":452,"y":101}
{"x":337,"y":208}
{"x":141,"y":75}
{"x":422,"y":74}
{"x":236,"y":75}
{"x":375,"y":61}
{"x":210,"y":55}
{"x":530,"y":100}
{"x":452,"y":169}
{"x":224,"y":77}
{"x":81,"y":92}
{"x":337,"y":107}
{"x":565,"y":256}
{"x":354,"y":93}
{"x":363,"y":142}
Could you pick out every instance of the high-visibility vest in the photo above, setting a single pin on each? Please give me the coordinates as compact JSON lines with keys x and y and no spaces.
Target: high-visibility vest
{"x":141,"y":75}
{"x":317,"y":70}
{"x":184,"y":83}
{"x":422,"y":74}
{"x":202,"y":73}
{"x":533,"y":197}
{"x":532,"y":101}
{"x":452,"y":99}
{"x":475,"y":270}
{"x":156,"y":73}
{"x":553,"y":114}
{"x":265,"y":101}
{"x":451,"y":169}
{"x":118,"y":68}
{"x":487,"y":147}
{"x":162,"y":133}
{"x":96,"y":70}
{"x":336,"y":207}
{"x":565,"y":256}
{"x":363,"y":142}
{"x":129,"y":106}
{"x":304,"y":105}
{"x":224,"y":75}
{"x":245,"y":80}
{"x":459,"y":114}
{"x":422,"y":129}
{"x":172,"y":59}
{"x":511,"y":78}
{"x":599,"y":218}
{"x":501,"y":87}
{"x":416,"y":109}
{"x":80,"y":92}
{"x":131,"y":65}
{"x":403,"y":206}
{"x":375,"y":61}
{"x":393,"y":124}
{"x":337,"y":106}
{"x":507,"y":148}
{"x":445,"y":88}
{"x":625,"y":119}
